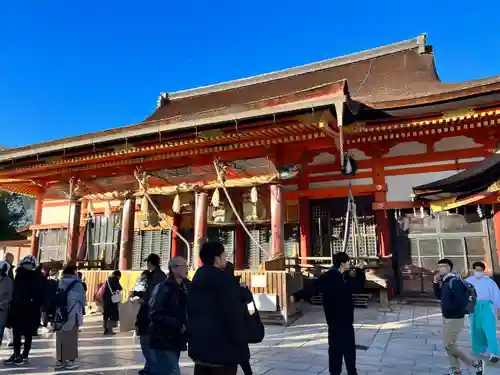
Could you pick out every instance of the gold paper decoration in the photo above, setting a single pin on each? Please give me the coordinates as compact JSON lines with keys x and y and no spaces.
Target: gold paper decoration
{"x":108,"y":209}
{"x":90,"y":208}
{"x":176,"y":206}
{"x":254,"y":195}
{"x":216,"y":198}
{"x":145,"y":206}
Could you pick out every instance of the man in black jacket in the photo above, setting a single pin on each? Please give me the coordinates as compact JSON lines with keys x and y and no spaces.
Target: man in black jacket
{"x":155,"y":277}
{"x":451,"y":290}
{"x":167,"y":312}
{"x":216,"y":316}
{"x":337,"y":287}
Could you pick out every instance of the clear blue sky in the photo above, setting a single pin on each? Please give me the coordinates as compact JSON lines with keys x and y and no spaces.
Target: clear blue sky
{"x":73,"y":67}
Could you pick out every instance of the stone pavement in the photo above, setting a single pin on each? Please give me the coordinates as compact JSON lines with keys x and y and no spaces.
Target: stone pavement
{"x":406,"y":341}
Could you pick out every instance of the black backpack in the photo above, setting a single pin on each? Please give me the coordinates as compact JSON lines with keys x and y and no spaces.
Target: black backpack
{"x":471,"y":293}
{"x":61,"y":311}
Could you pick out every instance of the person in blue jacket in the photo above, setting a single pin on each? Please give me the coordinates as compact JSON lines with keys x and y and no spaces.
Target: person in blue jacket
{"x":337,"y":286}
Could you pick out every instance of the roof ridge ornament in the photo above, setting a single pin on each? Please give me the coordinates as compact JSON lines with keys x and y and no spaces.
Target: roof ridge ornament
{"x":162,"y":99}
{"x":421,"y":42}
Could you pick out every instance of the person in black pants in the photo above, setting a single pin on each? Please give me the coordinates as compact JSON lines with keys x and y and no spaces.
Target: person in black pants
{"x":25,"y":307}
{"x":337,"y":287}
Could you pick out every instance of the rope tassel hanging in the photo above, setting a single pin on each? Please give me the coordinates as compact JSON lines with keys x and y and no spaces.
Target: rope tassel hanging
{"x":144,"y":206}
{"x":254,"y":195}
{"x":176,"y":205}
{"x":216,"y":198}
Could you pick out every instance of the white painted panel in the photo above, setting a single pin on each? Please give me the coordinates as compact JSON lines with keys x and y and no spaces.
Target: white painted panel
{"x":407,"y":148}
{"x":357,"y":154}
{"x":55,"y":214}
{"x":264,"y":302}
{"x":323,"y":158}
{"x":400,"y":188}
{"x":455,"y":143}
{"x":340,"y":183}
{"x":429,"y":164}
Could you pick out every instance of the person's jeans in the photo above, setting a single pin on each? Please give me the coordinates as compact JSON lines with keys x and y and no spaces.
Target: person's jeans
{"x":342,"y":345}
{"x":144,"y":341}
{"x":163,"y":362}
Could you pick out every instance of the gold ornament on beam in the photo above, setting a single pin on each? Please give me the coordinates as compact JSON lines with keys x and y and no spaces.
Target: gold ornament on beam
{"x":176,"y":205}
{"x":216,"y":198}
{"x":254,"y":195}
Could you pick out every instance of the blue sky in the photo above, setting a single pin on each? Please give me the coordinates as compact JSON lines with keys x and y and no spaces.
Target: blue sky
{"x":74,"y":67}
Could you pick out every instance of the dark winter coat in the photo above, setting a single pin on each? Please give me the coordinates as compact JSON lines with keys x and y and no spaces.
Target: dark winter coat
{"x":167,"y":313}
{"x":216,"y":317}
{"x":142,"y":322}
{"x":453,"y":295}
{"x":27,"y":300}
{"x":337,"y":289}
{"x":110,"y":309}
{"x":51,"y":286}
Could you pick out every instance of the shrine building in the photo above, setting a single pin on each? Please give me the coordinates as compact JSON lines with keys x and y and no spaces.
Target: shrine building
{"x":265,"y":165}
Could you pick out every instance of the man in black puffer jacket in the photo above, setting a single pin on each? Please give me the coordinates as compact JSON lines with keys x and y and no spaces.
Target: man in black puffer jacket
{"x":337,"y":287}
{"x":167,"y":312}
{"x":150,"y":280}
{"x":217,"y":334}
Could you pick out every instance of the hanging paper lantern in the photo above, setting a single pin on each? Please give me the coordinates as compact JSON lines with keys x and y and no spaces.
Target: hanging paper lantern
{"x":414,"y":211}
{"x":176,"y":206}
{"x":108,"y":209}
{"x":144,"y":206}
{"x":90,"y":208}
{"x":422,"y":212}
{"x":254,"y":195}
{"x":216,"y":198}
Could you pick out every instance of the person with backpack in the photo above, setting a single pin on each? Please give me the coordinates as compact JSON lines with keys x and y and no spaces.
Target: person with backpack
{"x":455,"y":296}
{"x":484,"y":318}
{"x":70,"y":301}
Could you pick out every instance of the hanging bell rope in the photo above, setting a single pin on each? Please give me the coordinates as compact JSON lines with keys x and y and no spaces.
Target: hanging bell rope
{"x":90,"y":208}
{"x":108,"y":209}
{"x":162,"y":216}
{"x":216,"y":198}
{"x":220,"y":176}
{"x":144,"y":206}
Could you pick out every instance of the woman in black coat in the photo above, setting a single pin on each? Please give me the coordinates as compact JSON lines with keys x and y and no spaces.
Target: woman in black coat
{"x":111,"y":315}
{"x":25,"y":307}
{"x":246,"y":297}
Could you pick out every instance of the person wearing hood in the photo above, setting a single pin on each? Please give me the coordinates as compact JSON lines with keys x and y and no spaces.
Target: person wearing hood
{"x":6,"y":288}
{"x":217,"y":339}
{"x":452,"y":292}
{"x":483,"y":320}
{"x":337,"y":286}
{"x":67,"y":335}
{"x":24,"y":311}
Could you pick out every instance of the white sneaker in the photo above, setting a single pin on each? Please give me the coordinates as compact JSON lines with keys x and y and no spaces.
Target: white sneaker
{"x":70,"y":365}
{"x":59,"y":365}
{"x":494,"y":358}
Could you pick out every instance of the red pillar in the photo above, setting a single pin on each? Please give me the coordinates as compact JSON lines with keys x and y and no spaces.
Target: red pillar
{"x":305,"y":229}
{"x":37,"y":219}
{"x":277,"y":222}
{"x":383,"y":234}
{"x":200,"y":225}
{"x":127,"y":233}
{"x":176,"y":225}
{"x":75,"y":212}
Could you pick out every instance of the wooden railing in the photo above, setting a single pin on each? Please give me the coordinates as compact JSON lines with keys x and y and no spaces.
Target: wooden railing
{"x":279,"y":283}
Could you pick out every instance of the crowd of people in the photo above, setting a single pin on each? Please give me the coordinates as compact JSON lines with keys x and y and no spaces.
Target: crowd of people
{"x":209,"y":316}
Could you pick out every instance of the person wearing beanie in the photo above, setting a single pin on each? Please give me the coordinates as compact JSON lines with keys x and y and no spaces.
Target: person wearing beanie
{"x":26,"y":303}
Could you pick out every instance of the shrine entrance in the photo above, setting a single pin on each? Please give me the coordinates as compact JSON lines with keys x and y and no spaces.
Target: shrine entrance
{"x":328,"y":228}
